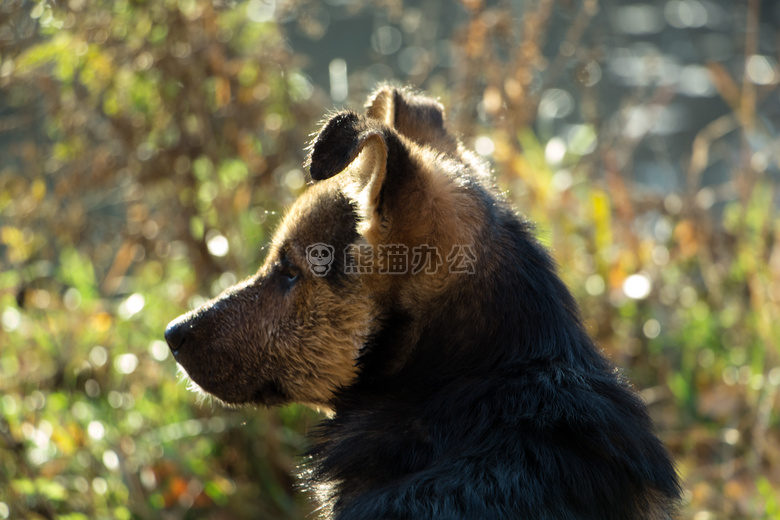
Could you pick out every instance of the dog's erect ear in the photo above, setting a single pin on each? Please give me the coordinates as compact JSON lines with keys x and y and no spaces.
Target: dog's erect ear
{"x":340,"y":142}
{"x":345,"y":138}
{"x":417,"y":117}
{"x":403,"y":192}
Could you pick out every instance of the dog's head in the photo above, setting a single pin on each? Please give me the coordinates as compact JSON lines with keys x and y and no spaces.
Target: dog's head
{"x":391,"y":190}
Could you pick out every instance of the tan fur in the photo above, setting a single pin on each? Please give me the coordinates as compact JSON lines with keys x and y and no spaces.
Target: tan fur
{"x":323,"y":340}
{"x":297,"y":332}
{"x":419,"y":118}
{"x":436,"y":211}
{"x":259,"y":341}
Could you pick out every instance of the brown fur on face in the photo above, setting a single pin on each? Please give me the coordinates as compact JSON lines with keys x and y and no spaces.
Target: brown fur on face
{"x":284,"y":334}
{"x":455,"y":394}
{"x":288,"y":334}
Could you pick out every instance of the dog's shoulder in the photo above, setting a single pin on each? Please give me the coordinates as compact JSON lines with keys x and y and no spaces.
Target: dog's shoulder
{"x":537,"y":440}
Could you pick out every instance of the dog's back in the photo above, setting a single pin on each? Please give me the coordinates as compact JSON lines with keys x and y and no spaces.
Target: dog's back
{"x":473,"y":390}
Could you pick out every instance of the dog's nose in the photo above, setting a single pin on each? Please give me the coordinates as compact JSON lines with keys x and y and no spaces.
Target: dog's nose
{"x":175,"y":335}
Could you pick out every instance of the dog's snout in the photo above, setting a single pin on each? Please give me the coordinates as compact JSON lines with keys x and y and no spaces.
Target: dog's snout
{"x":175,"y":334}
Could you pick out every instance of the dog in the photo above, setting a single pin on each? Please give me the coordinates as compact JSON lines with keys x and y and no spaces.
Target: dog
{"x":405,"y":298}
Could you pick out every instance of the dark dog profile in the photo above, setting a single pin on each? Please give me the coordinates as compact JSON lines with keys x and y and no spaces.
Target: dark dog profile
{"x":406,"y":298}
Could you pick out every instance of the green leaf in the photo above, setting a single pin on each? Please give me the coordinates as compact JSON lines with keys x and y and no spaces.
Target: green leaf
{"x":76,"y":270}
{"x":51,"y":490}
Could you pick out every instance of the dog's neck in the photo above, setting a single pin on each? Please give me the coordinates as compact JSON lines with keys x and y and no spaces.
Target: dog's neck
{"x":410,"y":371}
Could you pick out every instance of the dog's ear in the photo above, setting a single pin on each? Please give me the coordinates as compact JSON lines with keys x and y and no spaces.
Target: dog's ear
{"x":417,"y":117}
{"x":348,"y":138}
{"x":340,"y":142}
{"x":403,"y":192}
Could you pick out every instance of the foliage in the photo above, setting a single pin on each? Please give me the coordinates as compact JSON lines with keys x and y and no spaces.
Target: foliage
{"x":146,"y":149}
{"x":143,"y":135}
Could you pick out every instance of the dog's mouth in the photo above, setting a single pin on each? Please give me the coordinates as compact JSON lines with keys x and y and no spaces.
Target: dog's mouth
{"x":230,"y":390}
{"x":219,"y":388}
{"x":270,"y":393}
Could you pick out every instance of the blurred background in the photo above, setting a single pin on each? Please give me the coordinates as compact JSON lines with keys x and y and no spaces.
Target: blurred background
{"x":147,"y":149}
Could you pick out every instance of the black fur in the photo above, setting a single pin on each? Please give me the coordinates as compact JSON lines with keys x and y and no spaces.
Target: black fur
{"x":337,"y":145}
{"x":504,"y":409}
{"x":476,"y":396}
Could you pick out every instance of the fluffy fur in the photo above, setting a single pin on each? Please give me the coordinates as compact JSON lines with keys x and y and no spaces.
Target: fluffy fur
{"x":454,"y":394}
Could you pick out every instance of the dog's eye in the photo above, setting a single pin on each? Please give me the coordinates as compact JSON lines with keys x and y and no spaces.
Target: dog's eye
{"x":289,"y":274}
